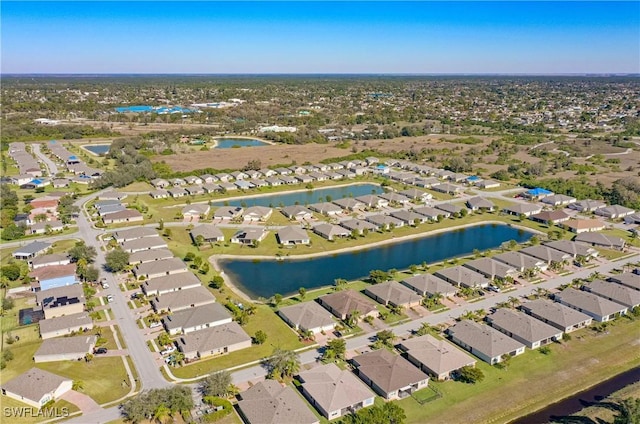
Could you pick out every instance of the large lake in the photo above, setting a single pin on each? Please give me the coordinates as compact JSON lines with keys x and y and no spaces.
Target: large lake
{"x":304,"y":197}
{"x":267,"y":277}
{"x":228,"y":143}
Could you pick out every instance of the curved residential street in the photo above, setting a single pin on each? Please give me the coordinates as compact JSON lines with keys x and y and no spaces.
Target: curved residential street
{"x":51,"y":166}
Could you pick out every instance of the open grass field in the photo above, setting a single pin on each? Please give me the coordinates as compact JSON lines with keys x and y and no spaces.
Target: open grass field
{"x":533,"y":380}
{"x":278,"y":335}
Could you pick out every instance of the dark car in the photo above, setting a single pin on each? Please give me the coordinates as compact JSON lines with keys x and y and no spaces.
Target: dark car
{"x":100,"y":351}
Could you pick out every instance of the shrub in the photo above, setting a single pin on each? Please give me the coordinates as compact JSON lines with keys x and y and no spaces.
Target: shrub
{"x":217,"y":403}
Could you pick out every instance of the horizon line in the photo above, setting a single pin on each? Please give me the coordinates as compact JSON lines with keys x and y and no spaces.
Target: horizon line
{"x":97,"y":74}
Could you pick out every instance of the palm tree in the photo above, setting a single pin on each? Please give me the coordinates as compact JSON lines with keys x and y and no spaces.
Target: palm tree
{"x":353,"y":318}
{"x":177,"y":358}
{"x":283,"y":364}
{"x":78,"y":385}
{"x":513,"y":301}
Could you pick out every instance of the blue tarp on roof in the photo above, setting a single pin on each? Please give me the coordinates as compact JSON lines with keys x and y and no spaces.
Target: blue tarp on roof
{"x":473,"y":178}
{"x":36,"y":181}
{"x":539,"y":192}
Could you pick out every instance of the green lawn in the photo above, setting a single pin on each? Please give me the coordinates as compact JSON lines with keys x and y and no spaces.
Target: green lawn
{"x":278,"y":335}
{"x":103,"y":378}
{"x":533,"y":380}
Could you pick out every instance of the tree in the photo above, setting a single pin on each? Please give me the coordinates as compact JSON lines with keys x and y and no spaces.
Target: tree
{"x":117,"y":260}
{"x":378,"y":276}
{"x":78,"y":385}
{"x":282,"y":364}
{"x":628,"y":412}
{"x":385,"y":338}
{"x":260,"y":337}
{"x":388,"y":413}
{"x":425,"y":329}
{"x":217,"y":282}
{"x":205,"y":267}
{"x":335,"y":349}
{"x":216,"y":384}
{"x":162,"y":413}
{"x":339,"y":283}
{"x":66,"y":209}
{"x":302,"y":292}
{"x":470,"y":375}
{"x":91,"y":274}
{"x":197,"y":261}
{"x":353,"y":318}
{"x":82,"y":251}
{"x":277,"y":298}
{"x":11,"y":271}
{"x":199,"y":240}
{"x":164,"y":339}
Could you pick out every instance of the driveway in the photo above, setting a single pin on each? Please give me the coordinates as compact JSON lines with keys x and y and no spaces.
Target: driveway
{"x":82,"y":401}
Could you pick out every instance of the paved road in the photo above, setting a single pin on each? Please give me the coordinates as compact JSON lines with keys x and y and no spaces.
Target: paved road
{"x":257,"y":371}
{"x":51,"y":166}
{"x":148,"y":373}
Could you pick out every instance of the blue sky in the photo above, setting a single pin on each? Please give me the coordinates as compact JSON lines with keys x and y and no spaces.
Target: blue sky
{"x":320,"y":37}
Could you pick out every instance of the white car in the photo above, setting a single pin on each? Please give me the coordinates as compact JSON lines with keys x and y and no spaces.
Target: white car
{"x":155,"y":324}
{"x":168,"y":350}
{"x":110,"y":298}
{"x":105,"y":285}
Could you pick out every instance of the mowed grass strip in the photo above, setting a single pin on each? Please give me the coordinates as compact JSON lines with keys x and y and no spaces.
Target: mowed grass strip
{"x":533,"y":380}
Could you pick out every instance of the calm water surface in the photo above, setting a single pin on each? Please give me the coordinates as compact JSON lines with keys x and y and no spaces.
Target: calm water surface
{"x":305,"y":197}
{"x":99,"y":149}
{"x":267,"y":277}
{"x":227,"y":143}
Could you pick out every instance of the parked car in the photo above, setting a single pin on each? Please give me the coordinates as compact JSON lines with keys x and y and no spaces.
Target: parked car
{"x":493,"y":288}
{"x":168,"y":350}
{"x":155,"y":324}
{"x":110,"y":298}
{"x":105,"y":285}
{"x":100,"y":351}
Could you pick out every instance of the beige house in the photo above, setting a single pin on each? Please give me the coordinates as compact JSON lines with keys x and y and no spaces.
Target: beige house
{"x":212,"y":341}
{"x":65,"y":348}
{"x":36,"y":387}
{"x":269,"y":402}
{"x":436,"y":357}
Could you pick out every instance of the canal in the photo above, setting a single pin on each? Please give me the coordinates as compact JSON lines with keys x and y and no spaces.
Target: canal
{"x":266,"y":277}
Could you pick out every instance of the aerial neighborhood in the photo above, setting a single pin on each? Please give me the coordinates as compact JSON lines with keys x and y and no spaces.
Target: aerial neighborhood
{"x":319,"y":273}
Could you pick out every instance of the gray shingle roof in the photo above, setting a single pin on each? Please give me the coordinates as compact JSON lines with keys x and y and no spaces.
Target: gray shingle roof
{"x":307,"y":315}
{"x":461,"y":275}
{"x":66,"y":321}
{"x":484,"y":339}
{"x":439,"y":356}
{"x":193,"y":317}
{"x":346,"y":301}
{"x":34,"y":384}
{"x":491,"y":268}
{"x":555,"y":313}
{"x":394,"y":293}
{"x":67,"y":345}
{"x":522,"y":325}
{"x":171,"y":282}
{"x":428,"y":283}
{"x":268,"y":402}
{"x":388,"y":371}
{"x":588,"y":302}
{"x":182,"y":299}
{"x":213,"y":338}
{"x":616,"y":292}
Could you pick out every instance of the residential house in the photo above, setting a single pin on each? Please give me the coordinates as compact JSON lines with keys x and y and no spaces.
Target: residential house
{"x":134,"y":233}
{"x":493,"y":270}
{"x":211,"y":188}
{"x":558,"y":200}
{"x":307,"y":316}
{"x":394,"y":294}
{"x":274,"y":181}
{"x":209,"y":232}
{"x":177,"y":192}
{"x":249,"y":236}
{"x":447,"y":188}
{"x":53,"y":276}
{"x":553,"y":217}
{"x":159,"y":268}
{"x":195,"y":211}
{"x":334,"y":392}
{"x":599,"y":308}
{"x":526,"y":209}
{"x":152,"y":255}
{"x":388,"y":374}
{"x":409,"y":217}
{"x":112,"y":195}
{"x":65,"y":325}
{"x":546,"y":254}
{"x":480,"y":203}
{"x":269,"y":402}
{"x":65,"y":348}
{"x":292,"y":235}
{"x":227,"y":213}
{"x":537,"y":193}
{"x":521,"y":262}
{"x":580,"y":226}
{"x":360,"y":226}
{"x":417,"y":195}
{"x":632,"y":219}
{"x":326,"y":208}
{"x":627,"y":279}
{"x":208,"y":178}
{"x":587,"y":205}
{"x":600,"y":240}
{"x":349,"y":204}
{"x":170,"y":283}
{"x":385,"y":221}
{"x":573,"y":249}
{"x":614,"y":212}
{"x":485,"y":342}
{"x":160,"y":183}
{"x":36,"y":387}
{"x":193,"y":180}
{"x":343,"y":303}
{"x":617,"y":293}
{"x":331,"y":231}
{"x":182,"y":299}
{"x":49,"y":260}
{"x":176,"y":182}
{"x":557,"y":315}
{"x":398,"y":198}
{"x":428,"y":284}
{"x":144,"y":243}
{"x":462,"y":276}
{"x":212,"y":341}
{"x":450,"y":208}
{"x":31,"y":250}
{"x":243,"y":185}
{"x":257,"y":213}
{"x":438,"y":358}
{"x":486,"y":184}
{"x":432,"y":214}
{"x":46,"y":227}
{"x":61,"y":301}
{"x":197,"y":318}
{"x":372,"y":201}
{"x":524,"y":328}
{"x":297,"y":212}
{"x":195,"y":190}
{"x":127,"y":215}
